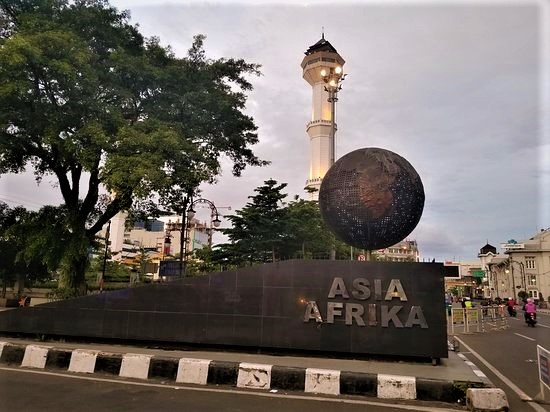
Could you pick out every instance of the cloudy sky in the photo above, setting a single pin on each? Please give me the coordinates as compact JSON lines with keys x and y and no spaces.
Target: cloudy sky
{"x":457,"y":88}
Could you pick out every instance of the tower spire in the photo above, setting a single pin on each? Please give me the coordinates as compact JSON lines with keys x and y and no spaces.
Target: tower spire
{"x":323,"y":32}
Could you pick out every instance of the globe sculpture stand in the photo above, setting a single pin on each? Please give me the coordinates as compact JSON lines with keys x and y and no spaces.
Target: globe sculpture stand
{"x":371,"y":198}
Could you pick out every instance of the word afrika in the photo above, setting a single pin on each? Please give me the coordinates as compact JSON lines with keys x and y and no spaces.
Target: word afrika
{"x":374,"y":314}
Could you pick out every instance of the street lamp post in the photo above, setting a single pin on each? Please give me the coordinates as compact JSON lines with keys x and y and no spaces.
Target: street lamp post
{"x":494,"y":280}
{"x":333,"y":79}
{"x":189,"y":215}
{"x":513,"y":281}
{"x":521,"y":271}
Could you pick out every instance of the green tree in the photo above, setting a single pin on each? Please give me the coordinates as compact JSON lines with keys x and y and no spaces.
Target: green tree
{"x":85,"y":98}
{"x":307,"y":234}
{"x":258,"y":231}
{"x":16,"y":226}
{"x":267,"y":229}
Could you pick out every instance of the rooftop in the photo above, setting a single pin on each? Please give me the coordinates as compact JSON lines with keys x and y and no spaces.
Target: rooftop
{"x":321,"y":45}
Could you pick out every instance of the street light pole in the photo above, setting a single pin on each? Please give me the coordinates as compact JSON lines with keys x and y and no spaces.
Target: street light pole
{"x":189,"y":214}
{"x":183,"y":234}
{"x":513,"y":280}
{"x":332,"y":78}
{"x":494,"y":276}
{"x":521,"y":272}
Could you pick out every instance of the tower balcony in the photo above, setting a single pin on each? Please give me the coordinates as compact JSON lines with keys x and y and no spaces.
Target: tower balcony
{"x":319,"y":122}
{"x":315,"y":181}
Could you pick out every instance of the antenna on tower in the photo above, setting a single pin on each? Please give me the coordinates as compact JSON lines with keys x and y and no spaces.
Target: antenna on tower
{"x":323,"y":32}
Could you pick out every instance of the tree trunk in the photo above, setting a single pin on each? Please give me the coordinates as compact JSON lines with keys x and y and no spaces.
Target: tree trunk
{"x":4,"y":284}
{"x":19,"y":286}
{"x":74,"y":265}
{"x":74,"y":278}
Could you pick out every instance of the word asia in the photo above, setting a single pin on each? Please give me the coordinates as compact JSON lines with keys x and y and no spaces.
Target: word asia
{"x":366,"y":314}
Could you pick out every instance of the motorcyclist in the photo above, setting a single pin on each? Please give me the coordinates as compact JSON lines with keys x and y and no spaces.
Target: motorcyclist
{"x":511,"y":306}
{"x":530,"y":308}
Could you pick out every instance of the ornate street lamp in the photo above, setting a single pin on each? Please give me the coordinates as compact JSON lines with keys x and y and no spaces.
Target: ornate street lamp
{"x":188,"y":216}
{"x":333,"y":77}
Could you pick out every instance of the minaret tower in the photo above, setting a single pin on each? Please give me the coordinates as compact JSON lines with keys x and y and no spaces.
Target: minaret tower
{"x":322,"y":69}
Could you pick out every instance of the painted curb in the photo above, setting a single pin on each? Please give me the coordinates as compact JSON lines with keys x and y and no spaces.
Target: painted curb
{"x":236,"y":374}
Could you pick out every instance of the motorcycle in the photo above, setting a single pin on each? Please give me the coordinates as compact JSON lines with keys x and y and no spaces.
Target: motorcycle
{"x":531,"y":319}
{"x":512,"y":311}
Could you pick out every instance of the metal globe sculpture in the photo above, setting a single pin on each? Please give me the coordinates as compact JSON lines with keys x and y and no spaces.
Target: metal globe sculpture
{"x":371,"y":198}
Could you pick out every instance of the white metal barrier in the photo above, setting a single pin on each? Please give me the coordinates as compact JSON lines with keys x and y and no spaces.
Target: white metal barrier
{"x":478,"y":319}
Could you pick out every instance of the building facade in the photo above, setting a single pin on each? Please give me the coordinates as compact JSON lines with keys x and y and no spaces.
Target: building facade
{"x":469,"y":282}
{"x":528,"y":264}
{"x":320,"y":61}
{"x":404,"y":251}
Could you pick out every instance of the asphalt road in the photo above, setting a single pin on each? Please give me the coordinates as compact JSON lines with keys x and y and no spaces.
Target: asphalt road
{"x":509,"y":358}
{"x":26,"y":390}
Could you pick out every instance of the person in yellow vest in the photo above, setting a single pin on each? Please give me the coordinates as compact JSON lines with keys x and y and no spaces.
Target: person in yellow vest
{"x":468,"y":303}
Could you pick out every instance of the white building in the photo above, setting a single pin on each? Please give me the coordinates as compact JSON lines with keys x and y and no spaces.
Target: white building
{"x":320,"y":61}
{"x":489,"y":258}
{"x":404,"y":251}
{"x":116,"y":232}
{"x":528,"y":264}
{"x":161,"y":236}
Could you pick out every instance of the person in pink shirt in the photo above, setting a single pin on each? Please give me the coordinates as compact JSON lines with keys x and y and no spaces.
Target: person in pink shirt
{"x":530,"y":308}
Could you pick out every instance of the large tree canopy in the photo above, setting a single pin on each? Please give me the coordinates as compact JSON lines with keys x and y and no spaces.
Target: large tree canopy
{"x":85,"y":98}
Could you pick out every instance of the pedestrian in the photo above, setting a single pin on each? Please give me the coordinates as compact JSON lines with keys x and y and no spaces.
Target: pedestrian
{"x":468,"y":303}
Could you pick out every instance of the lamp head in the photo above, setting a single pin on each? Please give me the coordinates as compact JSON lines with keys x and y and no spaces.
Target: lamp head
{"x":216,"y":222}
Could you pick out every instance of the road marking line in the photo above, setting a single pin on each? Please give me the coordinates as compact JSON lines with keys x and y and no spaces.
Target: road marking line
{"x":241,"y":392}
{"x":480,"y":374}
{"x":523,"y":336}
{"x":523,"y":396}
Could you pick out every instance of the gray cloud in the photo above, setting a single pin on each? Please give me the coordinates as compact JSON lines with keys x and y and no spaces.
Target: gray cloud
{"x":453,"y":88}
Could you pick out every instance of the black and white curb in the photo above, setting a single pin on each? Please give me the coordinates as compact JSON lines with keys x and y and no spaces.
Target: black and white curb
{"x":241,"y":375}
{"x":473,"y":366}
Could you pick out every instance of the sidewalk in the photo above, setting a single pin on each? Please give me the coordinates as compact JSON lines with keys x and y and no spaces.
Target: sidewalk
{"x":446,"y":382}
